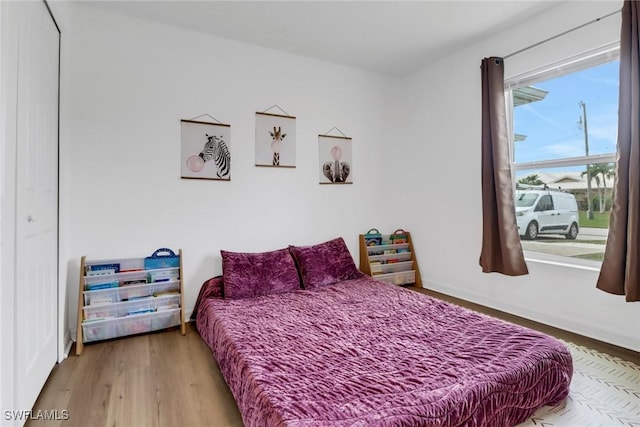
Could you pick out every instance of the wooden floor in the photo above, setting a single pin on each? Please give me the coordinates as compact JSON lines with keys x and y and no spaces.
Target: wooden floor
{"x":158,"y":379}
{"x":166,"y":379}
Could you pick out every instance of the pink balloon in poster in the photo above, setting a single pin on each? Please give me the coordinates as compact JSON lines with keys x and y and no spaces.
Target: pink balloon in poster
{"x":195,"y":163}
{"x":336,"y":152}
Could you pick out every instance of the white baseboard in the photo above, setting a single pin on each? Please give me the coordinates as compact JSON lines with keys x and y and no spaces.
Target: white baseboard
{"x":68,"y":342}
{"x":551,"y":319}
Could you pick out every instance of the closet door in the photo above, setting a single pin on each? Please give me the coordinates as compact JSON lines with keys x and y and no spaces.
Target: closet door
{"x":36,"y":288}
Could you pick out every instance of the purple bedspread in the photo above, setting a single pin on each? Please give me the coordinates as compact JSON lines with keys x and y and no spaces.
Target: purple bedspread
{"x":365,"y":353}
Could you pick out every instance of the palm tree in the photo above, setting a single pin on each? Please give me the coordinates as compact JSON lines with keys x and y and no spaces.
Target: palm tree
{"x":594,"y":172}
{"x":607,"y":171}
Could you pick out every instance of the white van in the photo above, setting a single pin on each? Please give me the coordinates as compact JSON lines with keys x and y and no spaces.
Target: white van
{"x":546,"y":212}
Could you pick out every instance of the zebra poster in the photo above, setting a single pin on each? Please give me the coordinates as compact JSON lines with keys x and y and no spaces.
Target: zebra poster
{"x":205,"y":152}
{"x":335,"y":159}
{"x":275,"y":140}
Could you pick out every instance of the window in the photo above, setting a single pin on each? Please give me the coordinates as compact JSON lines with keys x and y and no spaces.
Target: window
{"x":545,"y":203}
{"x":564,"y":121}
{"x":526,"y":200}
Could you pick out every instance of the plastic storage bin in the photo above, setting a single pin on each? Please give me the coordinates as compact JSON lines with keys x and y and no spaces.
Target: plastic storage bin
{"x":141,"y":323}
{"x":99,"y":330}
{"x":103,"y":296}
{"x":387,"y":249}
{"x":137,"y":324}
{"x":130,"y":307}
{"x":165,"y":319}
{"x":392,"y":267}
{"x":400,"y":278}
{"x":162,"y":258}
{"x":401,"y":257}
{"x":161,"y":288}
{"x":123,"y":293}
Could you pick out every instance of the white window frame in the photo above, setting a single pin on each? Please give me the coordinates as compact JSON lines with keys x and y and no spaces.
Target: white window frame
{"x":603,"y":54}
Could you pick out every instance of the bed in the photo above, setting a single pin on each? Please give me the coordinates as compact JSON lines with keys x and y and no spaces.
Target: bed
{"x":348,"y":350}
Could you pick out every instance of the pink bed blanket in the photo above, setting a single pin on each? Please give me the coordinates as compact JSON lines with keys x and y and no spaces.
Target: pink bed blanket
{"x":366,"y":353}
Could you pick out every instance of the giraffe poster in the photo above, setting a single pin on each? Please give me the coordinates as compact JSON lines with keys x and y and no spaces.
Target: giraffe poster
{"x":275,"y":140}
{"x":335,"y":159}
{"x":205,"y":151}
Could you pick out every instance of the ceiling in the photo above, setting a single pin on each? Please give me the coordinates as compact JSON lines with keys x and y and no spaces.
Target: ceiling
{"x":390,"y":37}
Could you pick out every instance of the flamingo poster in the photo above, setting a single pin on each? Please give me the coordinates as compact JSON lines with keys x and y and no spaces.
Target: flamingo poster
{"x":335,"y":159}
{"x":275,"y":140}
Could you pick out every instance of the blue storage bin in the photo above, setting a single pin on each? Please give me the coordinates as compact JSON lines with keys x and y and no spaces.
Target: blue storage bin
{"x":162,"y":258}
{"x":373,"y":237}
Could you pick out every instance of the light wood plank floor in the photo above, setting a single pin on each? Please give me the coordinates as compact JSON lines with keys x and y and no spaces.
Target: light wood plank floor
{"x":158,"y":379}
{"x":166,"y":379}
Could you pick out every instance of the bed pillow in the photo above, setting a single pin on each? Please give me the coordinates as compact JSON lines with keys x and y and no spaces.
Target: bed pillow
{"x":249,"y":275}
{"x":324,"y":264}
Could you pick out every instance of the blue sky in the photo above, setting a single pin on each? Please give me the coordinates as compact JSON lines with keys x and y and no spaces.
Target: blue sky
{"x":551,"y":125}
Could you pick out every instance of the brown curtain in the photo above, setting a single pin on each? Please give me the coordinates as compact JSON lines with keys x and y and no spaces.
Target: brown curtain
{"x":501,"y":248}
{"x":620,"y":268}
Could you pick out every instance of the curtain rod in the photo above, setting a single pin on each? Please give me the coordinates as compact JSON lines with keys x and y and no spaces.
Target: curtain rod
{"x":561,"y":34}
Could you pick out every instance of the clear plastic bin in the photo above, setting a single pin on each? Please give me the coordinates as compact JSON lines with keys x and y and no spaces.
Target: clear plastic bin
{"x":393,"y":267}
{"x":401,"y":257}
{"x":136,"y":324}
{"x":161,"y":288}
{"x":134,"y":291}
{"x":102,"y":296}
{"x":165,"y":319}
{"x":125,"y":277}
{"x":99,"y":330}
{"x":129,"y":307}
{"x":141,"y":323}
{"x":400,"y":278}
{"x":113,"y":295}
{"x":121,"y":278}
{"x":388,"y":248}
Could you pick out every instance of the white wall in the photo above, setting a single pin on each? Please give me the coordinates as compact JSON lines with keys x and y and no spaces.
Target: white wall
{"x":443,"y":153}
{"x":126,"y":85}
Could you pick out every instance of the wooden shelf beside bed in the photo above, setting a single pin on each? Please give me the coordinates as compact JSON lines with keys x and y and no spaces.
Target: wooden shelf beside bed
{"x":390,"y":262}
{"x":126,"y":296}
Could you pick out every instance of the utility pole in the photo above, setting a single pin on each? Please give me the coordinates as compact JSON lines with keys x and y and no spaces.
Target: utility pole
{"x":586,"y":151}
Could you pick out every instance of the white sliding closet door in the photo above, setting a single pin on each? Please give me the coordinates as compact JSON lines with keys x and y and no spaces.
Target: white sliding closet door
{"x":36,"y":287}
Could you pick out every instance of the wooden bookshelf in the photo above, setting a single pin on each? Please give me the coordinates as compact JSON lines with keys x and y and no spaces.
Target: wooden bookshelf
{"x":391,"y":262}
{"x":130,"y":299}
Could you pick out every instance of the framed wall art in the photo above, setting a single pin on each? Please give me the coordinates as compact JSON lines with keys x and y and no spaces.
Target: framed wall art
{"x":275,"y":140}
{"x":205,"y":150}
{"x":335,"y":159}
